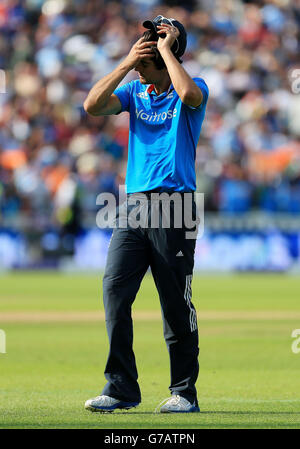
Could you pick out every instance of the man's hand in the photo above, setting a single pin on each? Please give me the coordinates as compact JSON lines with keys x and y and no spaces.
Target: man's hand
{"x":140,"y":50}
{"x":171,"y":34}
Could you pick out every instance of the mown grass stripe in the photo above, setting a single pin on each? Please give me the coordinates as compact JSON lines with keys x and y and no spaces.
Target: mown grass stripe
{"x":45,"y":317}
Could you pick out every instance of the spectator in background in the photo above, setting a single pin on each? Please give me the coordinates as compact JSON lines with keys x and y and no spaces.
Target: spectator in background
{"x":54,"y":158}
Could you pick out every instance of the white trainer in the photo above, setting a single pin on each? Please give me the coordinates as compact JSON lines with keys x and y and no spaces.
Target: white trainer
{"x":178,"y":404}
{"x":105,"y":403}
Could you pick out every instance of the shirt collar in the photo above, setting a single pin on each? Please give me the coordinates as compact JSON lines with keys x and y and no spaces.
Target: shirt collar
{"x":150,"y":89}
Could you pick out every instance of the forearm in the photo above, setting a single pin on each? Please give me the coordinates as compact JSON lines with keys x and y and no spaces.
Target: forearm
{"x":101,"y":93}
{"x":102,"y":90}
{"x":186,"y":88}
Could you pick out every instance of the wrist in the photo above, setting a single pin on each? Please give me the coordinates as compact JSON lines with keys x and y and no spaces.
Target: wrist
{"x":165,"y":50}
{"x":125,"y":67}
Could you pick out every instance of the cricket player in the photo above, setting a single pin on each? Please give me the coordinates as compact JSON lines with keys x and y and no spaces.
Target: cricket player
{"x":166,"y":108}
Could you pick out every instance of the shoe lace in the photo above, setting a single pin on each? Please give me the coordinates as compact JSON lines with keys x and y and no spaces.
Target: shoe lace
{"x":173,"y":400}
{"x":105,"y":399}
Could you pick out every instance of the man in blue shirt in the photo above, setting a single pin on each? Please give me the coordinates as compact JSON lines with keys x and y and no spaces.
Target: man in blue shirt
{"x":166,"y":108}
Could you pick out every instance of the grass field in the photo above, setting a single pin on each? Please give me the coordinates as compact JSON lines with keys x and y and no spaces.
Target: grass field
{"x":57,"y":348}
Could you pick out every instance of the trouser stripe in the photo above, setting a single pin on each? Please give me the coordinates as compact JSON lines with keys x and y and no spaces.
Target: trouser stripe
{"x":188,"y":297}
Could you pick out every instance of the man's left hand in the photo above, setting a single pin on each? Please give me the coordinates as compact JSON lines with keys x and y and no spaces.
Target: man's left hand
{"x":171,"y":34}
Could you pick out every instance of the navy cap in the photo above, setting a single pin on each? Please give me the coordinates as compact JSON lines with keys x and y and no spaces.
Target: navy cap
{"x":179,"y":46}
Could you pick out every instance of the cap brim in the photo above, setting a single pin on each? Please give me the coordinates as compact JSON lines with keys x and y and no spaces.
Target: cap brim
{"x":149,"y":24}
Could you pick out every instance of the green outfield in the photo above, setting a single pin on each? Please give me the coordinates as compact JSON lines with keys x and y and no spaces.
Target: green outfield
{"x":57,"y":347}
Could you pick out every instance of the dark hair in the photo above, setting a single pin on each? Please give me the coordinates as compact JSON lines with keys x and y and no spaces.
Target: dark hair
{"x":151,"y":35}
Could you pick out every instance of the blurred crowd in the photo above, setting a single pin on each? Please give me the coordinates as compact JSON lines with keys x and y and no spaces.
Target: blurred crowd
{"x":55,"y":159}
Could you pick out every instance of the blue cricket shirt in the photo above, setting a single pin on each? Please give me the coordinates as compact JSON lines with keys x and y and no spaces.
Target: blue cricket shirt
{"x":163,"y":137}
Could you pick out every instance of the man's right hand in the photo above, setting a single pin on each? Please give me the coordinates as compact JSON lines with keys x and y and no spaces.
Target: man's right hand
{"x":140,"y":50}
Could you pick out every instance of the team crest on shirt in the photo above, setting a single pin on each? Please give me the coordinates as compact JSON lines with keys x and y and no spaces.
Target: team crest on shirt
{"x":143,"y":95}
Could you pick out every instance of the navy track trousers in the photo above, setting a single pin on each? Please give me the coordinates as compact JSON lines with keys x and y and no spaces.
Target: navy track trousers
{"x":171,"y":258}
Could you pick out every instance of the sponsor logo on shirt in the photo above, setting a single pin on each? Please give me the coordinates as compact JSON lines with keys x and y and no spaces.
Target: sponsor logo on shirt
{"x":154,"y":117}
{"x":143,"y":95}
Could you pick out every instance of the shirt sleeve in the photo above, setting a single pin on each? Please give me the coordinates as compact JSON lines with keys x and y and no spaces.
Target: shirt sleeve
{"x":124,"y":94}
{"x":205,"y":92}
